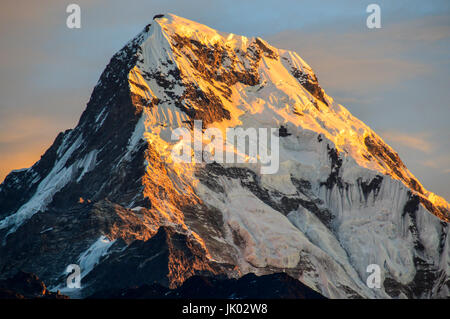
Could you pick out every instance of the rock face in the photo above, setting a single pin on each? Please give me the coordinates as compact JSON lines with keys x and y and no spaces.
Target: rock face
{"x":107,"y":195}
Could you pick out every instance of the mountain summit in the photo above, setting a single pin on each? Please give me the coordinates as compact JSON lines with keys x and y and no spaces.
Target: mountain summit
{"x":107,"y":196}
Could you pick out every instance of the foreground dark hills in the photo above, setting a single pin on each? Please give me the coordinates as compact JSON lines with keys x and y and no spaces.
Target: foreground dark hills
{"x":28,"y":286}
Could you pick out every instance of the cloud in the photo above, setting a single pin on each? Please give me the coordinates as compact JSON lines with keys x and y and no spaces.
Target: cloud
{"x":24,"y":138}
{"x":418,"y":142}
{"x":438,"y":162}
{"x":351,"y":57}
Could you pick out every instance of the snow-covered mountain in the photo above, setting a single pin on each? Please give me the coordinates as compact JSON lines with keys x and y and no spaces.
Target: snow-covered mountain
{"x":107,"y":196}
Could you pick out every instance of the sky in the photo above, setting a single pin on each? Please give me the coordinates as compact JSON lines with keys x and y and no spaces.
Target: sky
{"x":395,"y":79}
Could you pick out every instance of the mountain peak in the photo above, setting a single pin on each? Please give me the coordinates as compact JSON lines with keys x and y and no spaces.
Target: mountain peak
{"x":184,"y":27}
{"x":220,"y":65}
{"x":341,"y":200}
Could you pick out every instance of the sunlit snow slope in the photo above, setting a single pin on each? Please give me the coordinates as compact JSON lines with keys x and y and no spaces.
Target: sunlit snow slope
{"x":341,"y":200}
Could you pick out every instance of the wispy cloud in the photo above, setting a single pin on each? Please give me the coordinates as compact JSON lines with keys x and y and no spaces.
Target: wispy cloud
{"x":438,"y":162}
{"x":418,"y":142}
{"x":24,"y":138}
{"x":356,"y":58}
